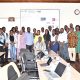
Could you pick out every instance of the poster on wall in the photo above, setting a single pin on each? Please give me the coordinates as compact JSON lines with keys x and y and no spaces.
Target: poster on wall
{"x":11,"y":19}
{"x":37,"y":18}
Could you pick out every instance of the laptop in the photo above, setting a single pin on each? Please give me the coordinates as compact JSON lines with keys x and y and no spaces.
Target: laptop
{"x":40,"y":55}
{"x":48,"y":62}
{"x":58,"y":72}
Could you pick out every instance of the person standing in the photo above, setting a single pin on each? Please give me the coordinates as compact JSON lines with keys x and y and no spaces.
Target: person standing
{"x":6,"y":43}
{"x":54,"y":45}
{"x":78,"y":44}
{"x":34,"y":32}
{"x":16,"y":29}
{"x":21,"y":41}
{"x":47,"y":38}
{"x":63,"y":44}
{"x":2,"y":46}
{"x":29,"y":40}
{"x":72,"y":43}
{"x":50,"y":30}
{"x":42,"y":31}
{"x":15,"y":33}
{"x":12,"y":46}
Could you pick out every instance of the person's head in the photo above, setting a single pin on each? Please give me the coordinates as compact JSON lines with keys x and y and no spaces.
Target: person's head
{"x":71,"y":25}
{"x":72,"y":29}
{"x":49,"y":28}
{"x":28,"y":29}
{"x":53,"y":32}
{"x":34,"y":30}
{"x":20,"y":32}
{"x":13,"y":29}
{"x":46,"y":31}
{"x":66,"y":28}
{"x":57,"y":31}
{"x":77,"y":28}
{"x":16,"y":28}
{"x":42,"y":29}
{"x":38,"y":32}
{"x":11,"y":33}
{"x":4,"y":29}
{"x":0,"y":31}
{"x":39,"y":39}
{"x":61,"y":30}
{"x":23,"y":29}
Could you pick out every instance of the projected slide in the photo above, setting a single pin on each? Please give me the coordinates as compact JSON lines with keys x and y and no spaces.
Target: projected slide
{"x":37,"y":18}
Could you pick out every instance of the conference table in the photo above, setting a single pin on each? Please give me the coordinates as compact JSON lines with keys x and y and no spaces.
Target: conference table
{"x":72,"y":74}
{"x":2,"y":53}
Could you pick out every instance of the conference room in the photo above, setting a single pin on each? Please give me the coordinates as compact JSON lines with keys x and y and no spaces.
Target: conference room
{"x":39,"y":40}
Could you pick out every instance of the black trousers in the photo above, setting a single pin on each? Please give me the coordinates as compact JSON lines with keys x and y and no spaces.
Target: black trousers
{"x":6,"y":54}
{"x":2,"y":56}
{"x":29,"y":47}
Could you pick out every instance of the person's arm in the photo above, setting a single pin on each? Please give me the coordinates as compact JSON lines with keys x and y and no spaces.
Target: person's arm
{"x":76,"y":38}
{"x":32,"y":38}
{"x":44,"y":47}
{"x":2,"y":43}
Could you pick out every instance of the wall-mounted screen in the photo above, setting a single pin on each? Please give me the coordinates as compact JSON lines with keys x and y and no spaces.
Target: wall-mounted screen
{"x":37,"y":18}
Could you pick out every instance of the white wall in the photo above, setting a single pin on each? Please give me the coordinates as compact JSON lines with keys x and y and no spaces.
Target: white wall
{"x":13,"y":10}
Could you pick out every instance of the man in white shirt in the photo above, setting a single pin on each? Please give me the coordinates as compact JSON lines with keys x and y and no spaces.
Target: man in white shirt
{"x":42,"y":31}
{"x":63,"y":44}
{"x":39,"y":46}
{"x":29,"y":40}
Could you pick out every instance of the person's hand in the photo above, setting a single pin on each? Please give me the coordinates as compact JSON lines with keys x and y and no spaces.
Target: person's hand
{"x":3,"y":46}
{"x":6,"y":45}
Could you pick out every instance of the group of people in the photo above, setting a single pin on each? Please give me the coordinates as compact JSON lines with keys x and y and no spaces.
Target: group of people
{"x":64,"y":41}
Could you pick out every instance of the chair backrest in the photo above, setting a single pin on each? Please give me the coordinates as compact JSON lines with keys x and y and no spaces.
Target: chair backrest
{"x":6,"y":73}
{"x":28,"y":56}
{"x":12,"y":74}
{"x":23,"y":50}
{"x":28,"y":59}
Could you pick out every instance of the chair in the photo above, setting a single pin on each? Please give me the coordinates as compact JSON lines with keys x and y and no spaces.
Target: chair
{"x":28,"y":62}
{"x":11,"y":72}
{"x":23,"y":50}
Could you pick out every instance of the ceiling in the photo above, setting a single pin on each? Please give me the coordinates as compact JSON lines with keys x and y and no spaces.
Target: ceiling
{"x":69,"y":1}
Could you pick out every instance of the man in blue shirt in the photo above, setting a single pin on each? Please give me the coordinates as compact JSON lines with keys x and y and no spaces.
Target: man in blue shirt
{"x":29,"y":40}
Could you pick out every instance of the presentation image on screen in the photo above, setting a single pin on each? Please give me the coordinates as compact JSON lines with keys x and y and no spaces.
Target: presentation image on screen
{"x":37,"y":18}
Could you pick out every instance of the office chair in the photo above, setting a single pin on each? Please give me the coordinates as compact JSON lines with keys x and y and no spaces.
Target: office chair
{"x":29,"y":63}
{"x":11,"y":72}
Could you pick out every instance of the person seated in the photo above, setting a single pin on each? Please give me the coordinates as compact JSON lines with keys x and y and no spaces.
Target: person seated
{"x":39,"y":46}
{"x":37,"y":35}
{"x":53,"y":44}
